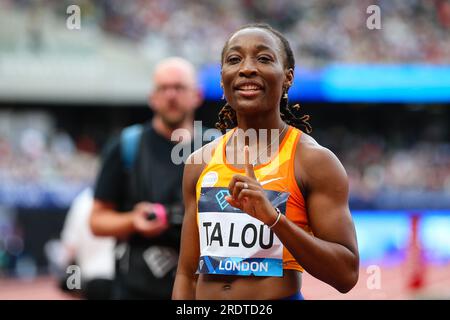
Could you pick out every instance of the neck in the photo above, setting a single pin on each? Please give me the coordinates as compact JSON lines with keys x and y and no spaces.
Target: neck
{"x":269,"y":120}
{"x":260,"y":121}
{"x":267,"y":142}
{"x":166,"y":131}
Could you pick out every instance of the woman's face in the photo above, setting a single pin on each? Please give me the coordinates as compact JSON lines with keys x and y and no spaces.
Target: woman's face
{"x":253,"y":72}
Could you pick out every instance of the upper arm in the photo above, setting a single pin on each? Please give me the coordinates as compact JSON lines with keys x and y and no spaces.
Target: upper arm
{"x":190,"y":240}
{"x":326,"y":185}
{"x":110,"y":178}
{"x":190,"y":243}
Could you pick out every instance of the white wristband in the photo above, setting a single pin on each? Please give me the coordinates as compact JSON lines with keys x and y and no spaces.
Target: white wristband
{"x":278,"y":218}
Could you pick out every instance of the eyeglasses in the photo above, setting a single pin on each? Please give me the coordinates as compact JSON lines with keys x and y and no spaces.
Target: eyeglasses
{"x":178,"y":88}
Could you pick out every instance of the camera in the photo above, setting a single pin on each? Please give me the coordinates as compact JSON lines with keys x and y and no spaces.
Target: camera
{"x":173,"y":213}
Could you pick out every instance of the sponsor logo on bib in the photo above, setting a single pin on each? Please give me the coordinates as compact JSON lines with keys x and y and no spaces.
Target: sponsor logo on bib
{"x":210,"y":179}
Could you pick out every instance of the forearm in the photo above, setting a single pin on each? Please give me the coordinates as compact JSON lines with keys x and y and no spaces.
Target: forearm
{"x":111,"y":223}
{"x":330,"y":262}
{"x":185,"y":286}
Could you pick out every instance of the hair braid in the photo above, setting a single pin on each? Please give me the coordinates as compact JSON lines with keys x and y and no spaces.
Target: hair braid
{"x":227,"y":118}
{"x":292,"y":115}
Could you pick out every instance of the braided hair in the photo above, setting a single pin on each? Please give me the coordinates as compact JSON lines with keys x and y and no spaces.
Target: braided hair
{"x":289,"y":114}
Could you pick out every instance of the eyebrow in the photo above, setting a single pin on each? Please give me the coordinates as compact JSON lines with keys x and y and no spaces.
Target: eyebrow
{"x":259,"y":47}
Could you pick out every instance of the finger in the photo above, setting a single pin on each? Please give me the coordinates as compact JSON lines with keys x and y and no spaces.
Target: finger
{"x":232,"y":183}
{"x":146,"y":209}
{"x":233,"y":202}
{"x":249,"y":171}
{"x":248,"y":193}
{"x":239,"y":186}
{"x":143,"y":207}
{"x":234,"y":180}
{"x":236,"y":189}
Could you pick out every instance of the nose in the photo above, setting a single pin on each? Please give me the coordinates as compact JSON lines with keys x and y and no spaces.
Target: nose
{"x":248,"y":68}
{"x":170,"y":93}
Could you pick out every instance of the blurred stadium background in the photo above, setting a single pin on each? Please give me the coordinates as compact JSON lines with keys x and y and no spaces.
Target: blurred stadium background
{"x":380,"y":99}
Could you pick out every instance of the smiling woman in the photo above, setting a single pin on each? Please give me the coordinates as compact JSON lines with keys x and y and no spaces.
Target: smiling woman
{"x":251,"y":232}
{"x":249,"y":87}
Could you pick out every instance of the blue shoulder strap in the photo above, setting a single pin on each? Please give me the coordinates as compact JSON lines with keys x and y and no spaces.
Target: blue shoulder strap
{"x":129,"y":143}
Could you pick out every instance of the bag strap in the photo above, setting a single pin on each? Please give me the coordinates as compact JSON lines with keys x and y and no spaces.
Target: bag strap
{"x":129,"y":144}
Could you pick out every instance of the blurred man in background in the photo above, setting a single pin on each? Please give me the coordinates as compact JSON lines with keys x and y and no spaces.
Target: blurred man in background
{"x":138,"y":198}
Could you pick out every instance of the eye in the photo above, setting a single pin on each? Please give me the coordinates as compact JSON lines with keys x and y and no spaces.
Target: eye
{"x":264,"y":59}
{"x":233,"y":59}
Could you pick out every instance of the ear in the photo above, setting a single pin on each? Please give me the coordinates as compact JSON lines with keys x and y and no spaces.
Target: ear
{"x":221,"y":84}
{"x":289,"y":73}
{"x":150,"y":100}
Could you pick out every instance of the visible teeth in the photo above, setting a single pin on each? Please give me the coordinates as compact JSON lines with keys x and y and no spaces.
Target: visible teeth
{"x":248,"y":87}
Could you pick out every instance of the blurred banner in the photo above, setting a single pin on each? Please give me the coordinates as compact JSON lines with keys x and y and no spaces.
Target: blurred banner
{"x":358,"y":83}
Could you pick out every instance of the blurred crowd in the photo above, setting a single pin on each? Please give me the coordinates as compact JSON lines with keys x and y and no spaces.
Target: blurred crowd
{"x":320,"y":31}
{"x":40,"y":165}
{"x":385,"y":176}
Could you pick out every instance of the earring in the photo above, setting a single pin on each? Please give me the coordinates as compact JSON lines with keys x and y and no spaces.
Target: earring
{"x":286,"y":100}
{"x":223,"y":96}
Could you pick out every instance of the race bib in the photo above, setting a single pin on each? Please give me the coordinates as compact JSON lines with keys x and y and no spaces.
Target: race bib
{"x":233,"y":242}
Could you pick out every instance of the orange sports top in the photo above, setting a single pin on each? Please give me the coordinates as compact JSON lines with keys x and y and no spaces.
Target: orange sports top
{"x":277,"y":175}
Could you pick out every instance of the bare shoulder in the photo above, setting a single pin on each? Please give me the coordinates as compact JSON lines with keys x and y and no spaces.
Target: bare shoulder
{"x":199,"y":159}
{"x":318,"y":164}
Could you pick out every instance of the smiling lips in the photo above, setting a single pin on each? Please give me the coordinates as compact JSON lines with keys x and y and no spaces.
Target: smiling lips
{"x":248,"y":89}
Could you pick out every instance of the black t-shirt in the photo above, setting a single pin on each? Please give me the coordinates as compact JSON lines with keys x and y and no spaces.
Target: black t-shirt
{"x":145,"y":266}
{"x":153,"y":176}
